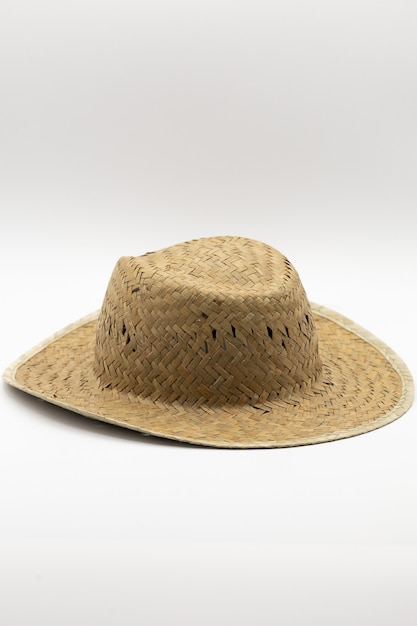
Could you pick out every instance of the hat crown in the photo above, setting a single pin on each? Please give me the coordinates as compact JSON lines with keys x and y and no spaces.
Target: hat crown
{"x":222,"y":320}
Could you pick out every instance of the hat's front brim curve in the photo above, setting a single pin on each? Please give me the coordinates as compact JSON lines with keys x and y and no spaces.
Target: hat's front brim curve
{"x":364,"y":385}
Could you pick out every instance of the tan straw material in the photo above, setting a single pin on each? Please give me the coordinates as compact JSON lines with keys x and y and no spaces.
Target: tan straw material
{"x":214,"y":342}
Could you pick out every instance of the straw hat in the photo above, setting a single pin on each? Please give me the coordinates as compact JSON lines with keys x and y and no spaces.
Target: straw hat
{"x":214,"y":342}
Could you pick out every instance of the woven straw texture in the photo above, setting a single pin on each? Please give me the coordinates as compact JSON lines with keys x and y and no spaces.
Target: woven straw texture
{"x":214,"y":342}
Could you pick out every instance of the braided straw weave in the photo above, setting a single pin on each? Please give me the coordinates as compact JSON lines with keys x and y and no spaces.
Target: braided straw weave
{"x":214,"y":342}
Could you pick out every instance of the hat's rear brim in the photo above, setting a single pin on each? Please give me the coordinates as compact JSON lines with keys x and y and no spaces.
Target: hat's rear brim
{"x":364,"y":385}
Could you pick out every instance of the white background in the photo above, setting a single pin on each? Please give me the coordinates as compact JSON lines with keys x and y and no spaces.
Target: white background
{"x":126,"y":127}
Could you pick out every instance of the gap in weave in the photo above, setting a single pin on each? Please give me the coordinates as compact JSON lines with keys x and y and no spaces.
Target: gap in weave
{"x":269,"y":332}
{"x":260,"y":408}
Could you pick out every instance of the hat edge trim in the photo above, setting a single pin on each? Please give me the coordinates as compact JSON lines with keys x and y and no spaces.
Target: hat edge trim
{"x":403,"y":404}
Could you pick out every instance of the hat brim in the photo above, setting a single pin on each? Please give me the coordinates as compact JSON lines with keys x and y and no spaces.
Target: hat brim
{"x":364,"y":385}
